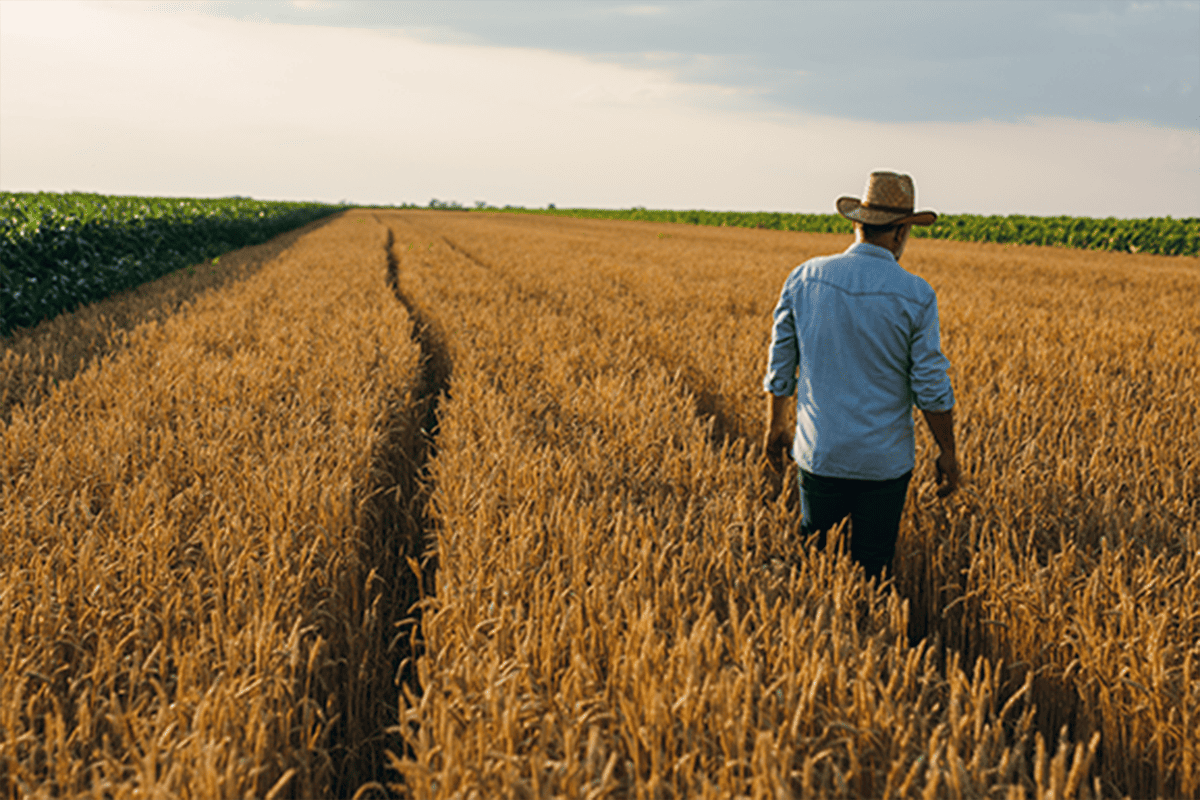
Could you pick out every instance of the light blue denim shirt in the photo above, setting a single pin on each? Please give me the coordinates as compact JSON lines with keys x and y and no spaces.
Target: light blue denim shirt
{"x":856,"y":339}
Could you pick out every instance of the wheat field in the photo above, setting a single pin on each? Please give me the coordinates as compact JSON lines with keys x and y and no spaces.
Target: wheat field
{"x":548,"y":430}
{"x":622,"y":607}
{"x":195,"y":529}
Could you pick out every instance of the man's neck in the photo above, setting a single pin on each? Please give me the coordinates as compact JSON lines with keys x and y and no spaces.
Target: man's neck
{"x":880,"y":245}
{"x":892,"y":242}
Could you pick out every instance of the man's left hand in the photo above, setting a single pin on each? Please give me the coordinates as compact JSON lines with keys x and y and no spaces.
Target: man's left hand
{"x":947,"y":473}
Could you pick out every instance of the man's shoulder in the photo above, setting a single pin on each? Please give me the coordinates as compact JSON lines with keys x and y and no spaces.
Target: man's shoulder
{"x":857,"y":272}
{"x":849,"y":257}
{"x":812,"y":267}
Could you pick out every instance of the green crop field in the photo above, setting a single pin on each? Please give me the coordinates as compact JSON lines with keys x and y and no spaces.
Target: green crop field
{"x":1155,"y":235}
{"x":58,"y":251}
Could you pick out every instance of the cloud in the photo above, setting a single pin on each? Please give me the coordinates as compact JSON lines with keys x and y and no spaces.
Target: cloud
{"x":639,"y":11}
{"x":949,"y":61}
{"x":281,"y":111}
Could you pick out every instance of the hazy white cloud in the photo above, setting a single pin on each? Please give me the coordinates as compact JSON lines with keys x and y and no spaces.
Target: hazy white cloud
{"x":639,"y":11}
{"x":941,"y":61}
{"x":106,"y":98}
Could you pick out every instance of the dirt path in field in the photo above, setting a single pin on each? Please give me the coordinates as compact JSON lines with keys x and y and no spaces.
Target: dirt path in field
{"x":398,"y":555}
{"x":433,"y":386}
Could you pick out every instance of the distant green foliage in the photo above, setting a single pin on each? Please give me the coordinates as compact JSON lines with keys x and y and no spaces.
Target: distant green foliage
{"x":443,"y":205}
{"x":1158,"y":235}
{"x":58,"y":251}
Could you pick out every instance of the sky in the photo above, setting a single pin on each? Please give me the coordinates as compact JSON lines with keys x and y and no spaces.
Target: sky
{"x":1017,"y":107}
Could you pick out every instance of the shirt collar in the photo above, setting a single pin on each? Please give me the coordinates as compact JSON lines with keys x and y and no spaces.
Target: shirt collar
{"x":867,"y":249}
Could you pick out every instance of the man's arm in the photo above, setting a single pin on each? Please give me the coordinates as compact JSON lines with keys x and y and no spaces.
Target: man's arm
{"x":931,"y":388}
{"x":941,"y":425}
{"x":780,"y":382}
{"x":781,"y":419}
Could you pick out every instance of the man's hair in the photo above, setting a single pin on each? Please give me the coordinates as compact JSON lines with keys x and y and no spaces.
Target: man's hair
{"x":872,"y":231}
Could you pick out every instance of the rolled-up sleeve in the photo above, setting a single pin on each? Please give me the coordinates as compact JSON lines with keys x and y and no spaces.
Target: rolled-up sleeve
{"x":929,"y":376}
{"x":781,"y":367}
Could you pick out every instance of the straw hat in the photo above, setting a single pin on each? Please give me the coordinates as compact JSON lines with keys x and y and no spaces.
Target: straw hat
{"x":888,"y":200}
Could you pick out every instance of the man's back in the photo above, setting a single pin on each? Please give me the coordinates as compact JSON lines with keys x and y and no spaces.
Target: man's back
{"x":861,"y":336}
{"x":856,"y":339}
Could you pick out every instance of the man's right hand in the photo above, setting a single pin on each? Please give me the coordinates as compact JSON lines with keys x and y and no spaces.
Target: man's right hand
{"x":778,"y":445}
{"x":947,"y":473}
{"x":781,"y":422}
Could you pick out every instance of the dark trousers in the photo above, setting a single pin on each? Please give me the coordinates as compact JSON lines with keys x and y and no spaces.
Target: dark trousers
{"x":874,"y":508}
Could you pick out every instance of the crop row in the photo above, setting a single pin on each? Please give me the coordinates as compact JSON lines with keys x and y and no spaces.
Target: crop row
{"x":58,"y":251}
{"x":623,"y":608}
{"x":203,"y":540}
{"x":1156,"y":235}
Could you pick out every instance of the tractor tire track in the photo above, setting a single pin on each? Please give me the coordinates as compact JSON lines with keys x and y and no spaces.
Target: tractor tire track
{"x":398,"y":561}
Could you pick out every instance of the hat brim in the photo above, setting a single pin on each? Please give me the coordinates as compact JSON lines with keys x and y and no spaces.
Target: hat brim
{"x":852,"y":208}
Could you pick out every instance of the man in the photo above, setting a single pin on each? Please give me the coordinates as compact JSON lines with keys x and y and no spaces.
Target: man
{"x":856,"y":338}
